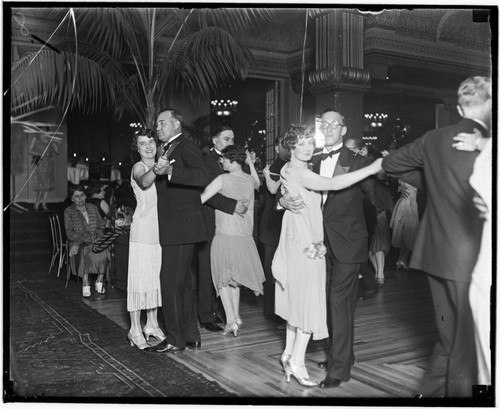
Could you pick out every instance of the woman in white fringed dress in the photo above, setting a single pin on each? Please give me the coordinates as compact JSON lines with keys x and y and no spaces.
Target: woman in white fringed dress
{"x":143,"y":287}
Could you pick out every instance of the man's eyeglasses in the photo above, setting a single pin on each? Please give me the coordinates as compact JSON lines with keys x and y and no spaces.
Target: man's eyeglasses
{"x":333,"y":125}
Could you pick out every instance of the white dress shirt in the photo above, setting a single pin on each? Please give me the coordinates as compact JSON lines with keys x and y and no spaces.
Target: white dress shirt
{"x":327,"y":167}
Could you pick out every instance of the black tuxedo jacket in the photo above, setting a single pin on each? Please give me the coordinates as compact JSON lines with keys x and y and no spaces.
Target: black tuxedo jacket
{"x":343,"y":215}
{"x":180,"y":212}
{"x":449,"y":237}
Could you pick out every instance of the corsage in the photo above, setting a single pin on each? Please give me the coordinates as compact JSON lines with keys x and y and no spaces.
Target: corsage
{"x":315,"y":250}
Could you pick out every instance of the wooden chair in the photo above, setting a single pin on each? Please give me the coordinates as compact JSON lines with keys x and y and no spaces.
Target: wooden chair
{"x":59,"y":247}
{"x":71,"y":263}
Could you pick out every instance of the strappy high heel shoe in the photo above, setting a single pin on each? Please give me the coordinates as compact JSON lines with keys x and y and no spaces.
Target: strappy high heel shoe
{"x":230,"y":328}
{"x":284,"y":360}
{"x":153,"y":332}
{"x":137,"y":340}
{"x":401,"y":265}
{"x":291,"y":370}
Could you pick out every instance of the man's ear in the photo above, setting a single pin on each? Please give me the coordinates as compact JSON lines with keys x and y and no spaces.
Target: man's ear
{"x":344,"y":130}
{"x":460,"y":112}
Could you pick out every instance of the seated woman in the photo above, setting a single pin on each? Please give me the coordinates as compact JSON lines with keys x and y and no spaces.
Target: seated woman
{"x":84,"y":226}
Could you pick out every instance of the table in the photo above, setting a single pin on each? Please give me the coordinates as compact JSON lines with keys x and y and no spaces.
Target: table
{"x":78,"y":173}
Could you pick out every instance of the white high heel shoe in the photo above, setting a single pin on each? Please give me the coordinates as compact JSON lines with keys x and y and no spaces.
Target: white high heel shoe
{"x":153,"y":332}
{"x":86,"y":290}
{"x":99,"y":288}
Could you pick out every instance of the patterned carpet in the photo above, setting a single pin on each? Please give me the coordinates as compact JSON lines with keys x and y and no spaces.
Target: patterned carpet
{"x":62,"y":350}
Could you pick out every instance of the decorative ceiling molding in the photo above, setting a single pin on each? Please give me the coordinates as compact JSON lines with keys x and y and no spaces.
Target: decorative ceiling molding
{"x":456,"y":26}
{"x":281,"y":62}
{"x":378,"y":40}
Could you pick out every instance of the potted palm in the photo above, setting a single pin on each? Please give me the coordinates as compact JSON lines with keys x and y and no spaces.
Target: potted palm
{"x":130,"y":59}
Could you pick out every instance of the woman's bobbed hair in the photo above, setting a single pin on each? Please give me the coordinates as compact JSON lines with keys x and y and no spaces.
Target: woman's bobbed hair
{"x":143,"y":132}
{"x":292,"y":136}
{"x":235,"y":154}
{"x":75,"y":188}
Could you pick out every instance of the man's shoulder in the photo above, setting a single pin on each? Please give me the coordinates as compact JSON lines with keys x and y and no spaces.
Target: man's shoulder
{"x":211,"y":155}
{"x":464,"y":125}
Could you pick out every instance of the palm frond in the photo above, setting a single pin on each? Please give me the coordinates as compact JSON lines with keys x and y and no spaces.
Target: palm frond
{"x":112,"y":28}
{"x":224,"y":60}
{"x":234,"y":19}
{"x":66,"y":79}
{"x":167,"y":21}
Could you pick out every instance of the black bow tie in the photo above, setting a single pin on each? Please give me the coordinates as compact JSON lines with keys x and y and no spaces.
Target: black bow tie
{"x":330,"y":154}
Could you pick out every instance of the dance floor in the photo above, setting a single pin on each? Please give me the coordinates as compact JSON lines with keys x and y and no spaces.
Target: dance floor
{"x":394,"y":335}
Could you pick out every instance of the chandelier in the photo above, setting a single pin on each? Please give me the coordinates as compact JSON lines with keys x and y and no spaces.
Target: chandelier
{"x":376,"y":120}
{"x":224,"y":107}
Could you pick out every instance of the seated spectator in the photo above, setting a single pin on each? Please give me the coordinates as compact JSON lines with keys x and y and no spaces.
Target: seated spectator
{"x":84,"y":226}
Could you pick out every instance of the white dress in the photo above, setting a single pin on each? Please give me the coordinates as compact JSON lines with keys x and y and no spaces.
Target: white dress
{"x":300,"y":293}
{"x":144,"y":261}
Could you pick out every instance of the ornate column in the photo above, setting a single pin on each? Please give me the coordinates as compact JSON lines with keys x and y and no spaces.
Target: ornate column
{"x":340,"y":79}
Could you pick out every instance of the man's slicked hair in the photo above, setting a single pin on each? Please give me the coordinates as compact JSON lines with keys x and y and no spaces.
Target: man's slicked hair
{"x":474,"y":91}
{"x":175,"y":114}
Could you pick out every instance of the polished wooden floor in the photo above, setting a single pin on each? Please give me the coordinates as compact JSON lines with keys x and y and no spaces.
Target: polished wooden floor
{"x":394,"y":334}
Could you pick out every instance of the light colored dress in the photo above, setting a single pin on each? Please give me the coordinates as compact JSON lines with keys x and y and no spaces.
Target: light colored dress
{"x":144,"y":261}
{"x":300,"y":293}
{"x":404,"y":222}
{"x":44,"y":175}
{"x":234,"y":257}
{"x":482,"y":276}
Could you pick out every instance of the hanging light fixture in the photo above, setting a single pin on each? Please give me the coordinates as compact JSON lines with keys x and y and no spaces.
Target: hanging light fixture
{"x":224,"y":107}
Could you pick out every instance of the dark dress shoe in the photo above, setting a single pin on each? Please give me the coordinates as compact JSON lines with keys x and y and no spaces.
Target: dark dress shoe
{"x":217,"y":318}
{"x":323,"y":364}
{"x":210,"y":326}
{"x":163,"y":348}
{"x":330,"y":383}
{"x":193,"y":345}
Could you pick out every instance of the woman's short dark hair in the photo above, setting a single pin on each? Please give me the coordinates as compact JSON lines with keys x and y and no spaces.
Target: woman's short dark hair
{"x":93,"y":188}
{"x":75,"y":188}
{"x":143,"y":132}
{"x":292,"y":136}
{"x":221,"y":129}
{"x":234,"y":154}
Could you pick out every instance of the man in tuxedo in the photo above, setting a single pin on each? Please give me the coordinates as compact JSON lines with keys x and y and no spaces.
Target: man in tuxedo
{"x":207,"y":306}
{"x":181,"y":175}
{"x":346,"y":240}
{"x":449,"y":237}
{"x":270,"y":230}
